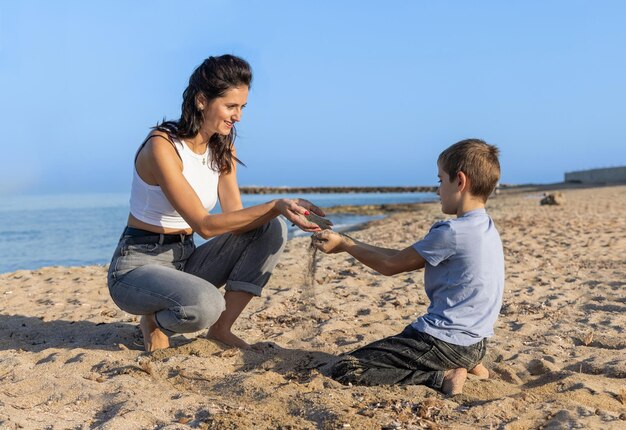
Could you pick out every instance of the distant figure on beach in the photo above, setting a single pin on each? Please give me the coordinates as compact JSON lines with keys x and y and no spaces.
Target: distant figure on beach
{"x":464,"y":280}
{"x":180,"y":171}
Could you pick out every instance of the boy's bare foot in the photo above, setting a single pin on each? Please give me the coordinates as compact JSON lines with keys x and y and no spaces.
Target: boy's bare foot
{"x":153,"y":337}
{"x":453,"y":381}
{"x":481,"y":371}
{"x":226,"y":336}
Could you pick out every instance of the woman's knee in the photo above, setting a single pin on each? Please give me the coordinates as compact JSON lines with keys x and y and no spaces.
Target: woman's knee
{"x":276,"y":232}
{"x":208,"y":308}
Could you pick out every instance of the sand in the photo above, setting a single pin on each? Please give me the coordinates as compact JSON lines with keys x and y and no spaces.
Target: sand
{"x":69,"y":359}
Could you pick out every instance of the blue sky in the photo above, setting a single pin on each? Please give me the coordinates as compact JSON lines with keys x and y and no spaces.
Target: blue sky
{"x":344,"y":92}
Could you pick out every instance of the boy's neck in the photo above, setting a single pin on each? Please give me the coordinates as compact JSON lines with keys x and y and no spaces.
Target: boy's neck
{"x":469,"y":203}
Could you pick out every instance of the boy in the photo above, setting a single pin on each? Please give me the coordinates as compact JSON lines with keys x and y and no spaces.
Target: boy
{"x":464,"y":280}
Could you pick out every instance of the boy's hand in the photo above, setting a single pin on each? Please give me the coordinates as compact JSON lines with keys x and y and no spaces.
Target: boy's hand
{"x":328,"y":241}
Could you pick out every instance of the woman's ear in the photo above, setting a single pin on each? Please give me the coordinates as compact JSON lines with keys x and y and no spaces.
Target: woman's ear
{"x":200,"y":102}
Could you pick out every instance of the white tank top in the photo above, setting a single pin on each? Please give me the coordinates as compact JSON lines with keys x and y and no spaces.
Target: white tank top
{"x":149,"y":204}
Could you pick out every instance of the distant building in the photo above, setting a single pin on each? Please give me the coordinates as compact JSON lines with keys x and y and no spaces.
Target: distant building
{"x":609,"y":175}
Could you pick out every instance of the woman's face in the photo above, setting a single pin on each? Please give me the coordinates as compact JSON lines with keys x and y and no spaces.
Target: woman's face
{"x":223,"y":112}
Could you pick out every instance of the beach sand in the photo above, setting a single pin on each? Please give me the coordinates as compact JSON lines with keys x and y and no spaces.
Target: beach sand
{"x":70,"y":359}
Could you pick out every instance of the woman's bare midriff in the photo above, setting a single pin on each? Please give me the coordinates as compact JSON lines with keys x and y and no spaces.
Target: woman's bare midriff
{"x":134,"y":222}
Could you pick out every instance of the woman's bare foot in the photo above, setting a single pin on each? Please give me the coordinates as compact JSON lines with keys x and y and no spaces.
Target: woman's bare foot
{"x":227,"y":337}
{"x":453,"y":381}
{"x":481,"y":371}
{"x":236,"y":301}
{"x":153,"y":337}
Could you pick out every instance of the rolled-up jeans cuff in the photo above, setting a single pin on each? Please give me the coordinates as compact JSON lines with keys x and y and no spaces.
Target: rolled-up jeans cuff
{"x":437,"y":380}
{"x":245,"y":287}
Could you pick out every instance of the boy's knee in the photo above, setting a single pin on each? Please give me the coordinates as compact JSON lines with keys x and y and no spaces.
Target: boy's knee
{"x":347,"y":371}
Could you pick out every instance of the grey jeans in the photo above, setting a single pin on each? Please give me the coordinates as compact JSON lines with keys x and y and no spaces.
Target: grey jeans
{"x":411,"y":357}
{"x":179,"y":282}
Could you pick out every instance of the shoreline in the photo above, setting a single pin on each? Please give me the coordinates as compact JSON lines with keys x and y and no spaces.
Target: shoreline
{"x":347,"y":215}
{"x":385,"y":209}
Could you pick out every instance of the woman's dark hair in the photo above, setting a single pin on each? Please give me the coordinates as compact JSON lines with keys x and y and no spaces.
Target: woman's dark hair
{"x":212,"y":79}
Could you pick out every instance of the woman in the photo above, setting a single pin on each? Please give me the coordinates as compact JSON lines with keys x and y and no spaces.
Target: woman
{"x":181,"y":169}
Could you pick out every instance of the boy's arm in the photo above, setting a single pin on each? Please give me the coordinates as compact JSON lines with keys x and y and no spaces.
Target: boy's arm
{"x":385,"y":261}
{"x":371,"y":248}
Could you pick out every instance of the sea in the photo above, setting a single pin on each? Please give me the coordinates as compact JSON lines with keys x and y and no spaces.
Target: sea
{"x":83,"y":229}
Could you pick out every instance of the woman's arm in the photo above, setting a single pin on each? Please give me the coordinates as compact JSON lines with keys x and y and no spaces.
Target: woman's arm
{"x":228,"y":189}
{"x":164,"y":168}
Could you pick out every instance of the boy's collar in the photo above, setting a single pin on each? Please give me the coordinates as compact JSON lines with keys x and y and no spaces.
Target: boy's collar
{"x":472,"y":212}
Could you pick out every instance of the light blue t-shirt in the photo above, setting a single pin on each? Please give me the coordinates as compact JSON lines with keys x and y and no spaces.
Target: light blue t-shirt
{"x":464,"y":278}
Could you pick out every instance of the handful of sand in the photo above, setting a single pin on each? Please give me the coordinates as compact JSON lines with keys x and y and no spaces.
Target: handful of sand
{"x":323,"y":223}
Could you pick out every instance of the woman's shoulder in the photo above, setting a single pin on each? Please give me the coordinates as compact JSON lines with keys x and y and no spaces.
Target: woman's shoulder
{"x":160,"y":143}
{"x":157,"y":135}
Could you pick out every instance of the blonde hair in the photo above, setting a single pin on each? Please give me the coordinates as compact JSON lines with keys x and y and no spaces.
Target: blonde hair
{"x":478,"y":160}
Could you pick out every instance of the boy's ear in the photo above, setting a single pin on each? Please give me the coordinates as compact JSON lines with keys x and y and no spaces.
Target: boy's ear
{"x":462,"y":181}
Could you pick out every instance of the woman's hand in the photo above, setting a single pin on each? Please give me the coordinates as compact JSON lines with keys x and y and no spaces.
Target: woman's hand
{"x":329,"y":242}
{"x":310,"y":206}
{"x":296,"y":209}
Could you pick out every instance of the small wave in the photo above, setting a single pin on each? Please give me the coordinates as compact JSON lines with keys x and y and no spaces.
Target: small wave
{"x":19,"y":235}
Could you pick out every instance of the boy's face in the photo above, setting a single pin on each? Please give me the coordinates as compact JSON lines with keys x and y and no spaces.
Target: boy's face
{"x":448,"y":192}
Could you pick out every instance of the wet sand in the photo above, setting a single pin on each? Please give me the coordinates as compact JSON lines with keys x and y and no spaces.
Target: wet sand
{"x":70,"y":359}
